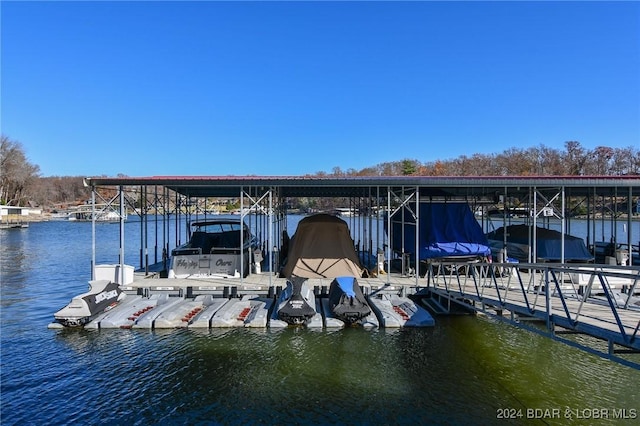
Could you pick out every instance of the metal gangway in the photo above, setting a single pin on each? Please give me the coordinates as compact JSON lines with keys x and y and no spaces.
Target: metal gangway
{"x":556,"y":300}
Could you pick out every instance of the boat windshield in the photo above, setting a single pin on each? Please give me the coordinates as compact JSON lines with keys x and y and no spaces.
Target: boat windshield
{"x":216,"y":227}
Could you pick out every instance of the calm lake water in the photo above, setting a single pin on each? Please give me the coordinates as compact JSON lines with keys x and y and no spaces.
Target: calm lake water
{"x":464,"y":370}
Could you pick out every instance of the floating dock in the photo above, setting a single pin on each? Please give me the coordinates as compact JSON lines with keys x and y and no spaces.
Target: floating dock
{"x":163,"y":303}
{"x":595,"y":300}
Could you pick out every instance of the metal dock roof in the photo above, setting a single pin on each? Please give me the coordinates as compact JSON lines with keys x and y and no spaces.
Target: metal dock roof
{"x":355,"y":186}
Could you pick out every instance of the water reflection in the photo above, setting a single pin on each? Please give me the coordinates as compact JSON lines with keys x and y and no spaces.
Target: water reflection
{"x":15,"y":262}
{"x":463,"y":368}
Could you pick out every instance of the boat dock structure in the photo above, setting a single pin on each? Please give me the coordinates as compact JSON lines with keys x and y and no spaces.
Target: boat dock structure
{"x":414,"y":248}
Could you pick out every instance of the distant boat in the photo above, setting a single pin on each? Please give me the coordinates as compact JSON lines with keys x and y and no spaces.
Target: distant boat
{"x":511,"y":212}
{"x":59,"y":215}
{"x":345,"y":211}
{"x":101,"y":212}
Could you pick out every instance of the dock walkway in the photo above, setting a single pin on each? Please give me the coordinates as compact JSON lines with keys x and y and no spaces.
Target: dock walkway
{"x":605,"y":306}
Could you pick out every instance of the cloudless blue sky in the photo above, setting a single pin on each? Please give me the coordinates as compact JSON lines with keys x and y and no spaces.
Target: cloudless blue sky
{"x":289,"y":88}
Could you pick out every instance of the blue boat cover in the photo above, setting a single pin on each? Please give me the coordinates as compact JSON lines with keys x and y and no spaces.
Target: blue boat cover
{"x":446,"y":230}
{"x":346,"y":285}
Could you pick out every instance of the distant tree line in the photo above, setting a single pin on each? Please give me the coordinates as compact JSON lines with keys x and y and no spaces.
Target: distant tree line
{"x":21,"y":183}
{"x":574,"y":160}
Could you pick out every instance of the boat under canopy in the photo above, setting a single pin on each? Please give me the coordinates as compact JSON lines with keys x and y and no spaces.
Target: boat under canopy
{"x":214,"y":249}
{"x":519,"y":244}
{"x":446,"y":230}
{"x":322,"y":248}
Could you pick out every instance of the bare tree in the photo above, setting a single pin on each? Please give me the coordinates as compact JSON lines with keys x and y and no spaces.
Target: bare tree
{"x":635,"y":162}
{"x":574,"y":158}
{"x":514,"y":162}
{"x":551,"y":160}
{"x":16,"y":173}
{"x":625,"y":161}
{"x":337,"y":171}
{"x":599,"y":163}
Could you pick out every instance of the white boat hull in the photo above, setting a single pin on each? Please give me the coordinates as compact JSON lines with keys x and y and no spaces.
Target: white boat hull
{"x":102,"y":296}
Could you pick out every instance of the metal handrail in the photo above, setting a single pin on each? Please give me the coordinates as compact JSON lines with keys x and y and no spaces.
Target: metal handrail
{"x":556,"y":282}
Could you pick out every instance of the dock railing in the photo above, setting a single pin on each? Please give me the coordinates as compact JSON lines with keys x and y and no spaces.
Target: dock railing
{"x":602,"y":301}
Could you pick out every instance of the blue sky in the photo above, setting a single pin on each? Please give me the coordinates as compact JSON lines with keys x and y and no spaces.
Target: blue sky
{"x":290,"y":88}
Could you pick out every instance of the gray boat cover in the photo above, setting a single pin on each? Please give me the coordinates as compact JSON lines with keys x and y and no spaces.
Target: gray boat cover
{"x":322,"y":248}
{"x":548,"y":244}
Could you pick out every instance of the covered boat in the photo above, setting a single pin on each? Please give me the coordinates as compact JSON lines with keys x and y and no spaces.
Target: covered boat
{"x":519,"y":244}
{"x":322,"y":248}
{"x":346,"y":300}
{"x":215,"y":249}
{"x":447,"y":230}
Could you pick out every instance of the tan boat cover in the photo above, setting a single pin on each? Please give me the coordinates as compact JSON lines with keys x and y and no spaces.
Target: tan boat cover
{"x":322,"y":248}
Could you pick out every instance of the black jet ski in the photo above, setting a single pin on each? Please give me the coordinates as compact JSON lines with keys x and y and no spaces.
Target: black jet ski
{"x":297,"y":303}
{"x":347,"y":301}
{"x":102,"y":296}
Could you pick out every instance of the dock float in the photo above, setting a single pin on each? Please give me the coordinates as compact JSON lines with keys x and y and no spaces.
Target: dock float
{"x":154,"y":307}
{"x":396,"y":311}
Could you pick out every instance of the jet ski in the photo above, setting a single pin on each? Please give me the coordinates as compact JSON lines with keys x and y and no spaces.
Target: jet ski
{"x":347,"y":301}
{"x":102,"y":296}
{"x":297,"y":302}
